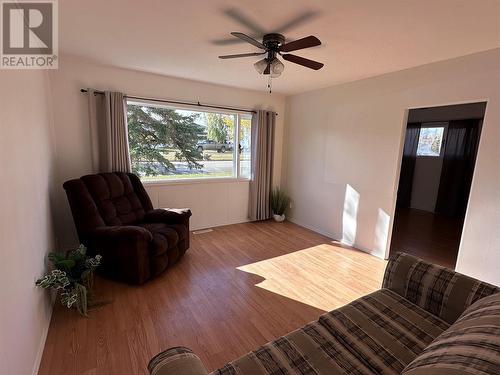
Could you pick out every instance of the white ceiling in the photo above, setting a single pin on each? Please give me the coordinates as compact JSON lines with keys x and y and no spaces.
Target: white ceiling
{"x":361,"y":38}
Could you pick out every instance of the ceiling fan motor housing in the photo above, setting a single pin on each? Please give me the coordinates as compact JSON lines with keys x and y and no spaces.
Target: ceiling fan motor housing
{"x":273,"y":41}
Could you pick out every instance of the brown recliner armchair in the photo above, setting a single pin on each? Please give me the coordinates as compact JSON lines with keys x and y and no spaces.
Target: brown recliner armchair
{"x":114,"y":217}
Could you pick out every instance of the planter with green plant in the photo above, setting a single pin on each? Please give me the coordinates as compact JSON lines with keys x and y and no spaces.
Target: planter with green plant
{"x":280,"y":202}
{"x":72,"y":277}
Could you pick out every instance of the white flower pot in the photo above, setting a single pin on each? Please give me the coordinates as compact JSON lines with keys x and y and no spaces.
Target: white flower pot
{"x":279,"y":218}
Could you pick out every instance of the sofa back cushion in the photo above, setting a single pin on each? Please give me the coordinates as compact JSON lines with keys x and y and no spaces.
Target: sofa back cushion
{"x":438,"y":290}
{"x":470,"y":346}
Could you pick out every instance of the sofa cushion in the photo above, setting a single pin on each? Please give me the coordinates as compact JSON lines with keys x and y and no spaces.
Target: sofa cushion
{"x":377,"y":334}
{"x":470,"y":346}
{"x":440,"y":291}
{"x":164,"y":237}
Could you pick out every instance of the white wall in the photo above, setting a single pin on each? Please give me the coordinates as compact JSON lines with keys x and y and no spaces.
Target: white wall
{"x":344,"y":148}
{"x":26,"y":157}
{"x":212,"y":203}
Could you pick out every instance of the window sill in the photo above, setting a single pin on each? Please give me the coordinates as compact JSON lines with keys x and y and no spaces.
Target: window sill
{"x":196,"y":181}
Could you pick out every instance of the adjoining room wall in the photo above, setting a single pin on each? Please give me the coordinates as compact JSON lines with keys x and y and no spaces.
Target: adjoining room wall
{"x":213,"y":203}
{"x":426,"y":179}
{"x":26,"y":236}
{"x":344,"y":148}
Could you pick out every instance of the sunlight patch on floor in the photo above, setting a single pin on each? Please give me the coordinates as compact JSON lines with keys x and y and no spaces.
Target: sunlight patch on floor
{"x":324,"y":276}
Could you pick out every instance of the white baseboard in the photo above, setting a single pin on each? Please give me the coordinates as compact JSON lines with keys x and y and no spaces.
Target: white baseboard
{"x":201,"y":227}
{"x":313,"y":228}
{"x":332,"y":236}
{"x":41,"y":346}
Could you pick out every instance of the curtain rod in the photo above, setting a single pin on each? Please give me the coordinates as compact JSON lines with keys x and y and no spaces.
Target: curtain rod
{"x":197,"y":104}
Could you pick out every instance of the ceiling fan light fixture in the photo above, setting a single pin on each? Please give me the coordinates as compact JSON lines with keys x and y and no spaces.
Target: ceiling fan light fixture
{"x":277,"y":68}
{"x":260,"y":66}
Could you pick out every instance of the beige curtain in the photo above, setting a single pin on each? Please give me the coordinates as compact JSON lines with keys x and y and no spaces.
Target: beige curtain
{"x":108,"y":132}
{"x":263,"y":124}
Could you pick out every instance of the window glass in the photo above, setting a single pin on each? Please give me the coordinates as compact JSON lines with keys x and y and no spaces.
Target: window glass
{"x":430,"y":141}
{"x":244,"y":145}
{"x":217,"y":146}
{"x":177,"y":143}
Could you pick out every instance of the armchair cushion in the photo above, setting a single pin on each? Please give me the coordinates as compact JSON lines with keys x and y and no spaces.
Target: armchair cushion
{"x":164,"y":236}
{"x":174,"y":218}
{"x":117,"y":198}
{"x":168,"y":216}
{"x":123,"y":232}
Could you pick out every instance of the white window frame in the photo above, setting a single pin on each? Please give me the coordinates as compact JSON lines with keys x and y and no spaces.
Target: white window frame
{"x":236,"y":177}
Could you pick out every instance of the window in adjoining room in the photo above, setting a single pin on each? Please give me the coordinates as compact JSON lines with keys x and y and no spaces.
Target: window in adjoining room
{"x":172,"y":143}
{"x":430,"y":141}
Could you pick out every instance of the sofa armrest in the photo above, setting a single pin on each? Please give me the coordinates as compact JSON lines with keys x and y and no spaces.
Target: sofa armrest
{"x":124,"y":250}
{"x":438,"y":290}
{"x":168,"y":216}
{"x":176,"y":361}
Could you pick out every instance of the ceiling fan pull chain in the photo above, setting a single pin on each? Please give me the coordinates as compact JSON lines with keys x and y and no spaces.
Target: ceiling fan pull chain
{"x":269,"y":83}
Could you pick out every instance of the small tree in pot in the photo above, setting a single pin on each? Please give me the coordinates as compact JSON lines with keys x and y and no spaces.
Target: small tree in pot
{"x":280,"y":202}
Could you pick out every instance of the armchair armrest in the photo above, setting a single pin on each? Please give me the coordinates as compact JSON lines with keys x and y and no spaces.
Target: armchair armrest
{"x":124,"y":250}
{"x":175,"y":361}
{"x":168,"y":216}
{"x":438,"y":290}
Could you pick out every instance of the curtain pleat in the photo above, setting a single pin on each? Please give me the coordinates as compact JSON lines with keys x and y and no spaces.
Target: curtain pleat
{"x":460,"y":151}
{"x":263,"y":129}
{"x":108,"y":130}
{"x":94,"y":128}
{"x":408,"y":165}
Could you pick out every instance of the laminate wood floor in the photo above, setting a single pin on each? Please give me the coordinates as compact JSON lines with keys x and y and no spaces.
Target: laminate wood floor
{"x":430,"y":236}
{"x":236,"y":288}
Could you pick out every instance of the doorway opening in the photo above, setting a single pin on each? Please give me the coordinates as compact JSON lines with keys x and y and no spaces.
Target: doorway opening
{"x":438,"y":163}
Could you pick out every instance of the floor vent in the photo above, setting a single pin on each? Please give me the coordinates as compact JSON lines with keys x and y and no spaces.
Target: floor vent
{"x":202,"y":231}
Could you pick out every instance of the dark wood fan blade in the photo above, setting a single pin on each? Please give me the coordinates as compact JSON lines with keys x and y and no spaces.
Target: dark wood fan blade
{"x":248,"y":39}
{"x":307,"y":42}
{"x":303,"y":61}
{"x":239,"y":17}
{"x":295,"y":22}
{"x":230,"y":42}
{"x":241,"y":55}
{"x":268,"y":69}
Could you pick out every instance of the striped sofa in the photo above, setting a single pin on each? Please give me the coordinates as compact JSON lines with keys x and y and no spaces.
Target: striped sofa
{"x":426,"y":319}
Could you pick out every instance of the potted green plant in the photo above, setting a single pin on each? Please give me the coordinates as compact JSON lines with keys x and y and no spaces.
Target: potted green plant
{"x":280,"y":202}
{"x":72,"y":277}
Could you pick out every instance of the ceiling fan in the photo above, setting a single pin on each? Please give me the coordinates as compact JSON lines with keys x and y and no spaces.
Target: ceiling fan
{"x":273,"y":45}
